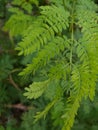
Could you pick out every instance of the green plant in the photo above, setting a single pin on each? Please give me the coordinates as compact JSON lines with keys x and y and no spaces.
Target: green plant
{"x":63,"y":44}
{"x":13,"y":105}
{"x":19,"y":18}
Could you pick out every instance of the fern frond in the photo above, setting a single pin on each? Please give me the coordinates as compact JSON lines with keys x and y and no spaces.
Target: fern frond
{"x":79,"y":88}
{"x":17,"y":20}
{"x":44,"y":29}
{"x":35,"y":38}
{"x":26,"y":5}
{"x":71,"y":111}
{"x":68,"y":59}
{"x":45,"y":111}
{"x":57,"y":21}
{"x":36,"y":89}
{"x":51,"y":50}
{"x":56,"y":71}
{"x":89,"y":39}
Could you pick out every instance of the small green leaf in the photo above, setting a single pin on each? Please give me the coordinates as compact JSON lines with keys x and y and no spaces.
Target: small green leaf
{"x":36,"y":89}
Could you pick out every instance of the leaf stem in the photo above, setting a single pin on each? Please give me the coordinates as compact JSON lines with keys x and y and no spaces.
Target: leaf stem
{"x":72,"y":35}
{"x":64,"y":4}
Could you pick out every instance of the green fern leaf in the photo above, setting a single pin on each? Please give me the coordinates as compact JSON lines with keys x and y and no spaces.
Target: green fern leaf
{"x":44,"y":56}
{"x":17,"y":20}
{"x":45,"y":111}
{"x":36,"y":89}
{"x":63,"y":40}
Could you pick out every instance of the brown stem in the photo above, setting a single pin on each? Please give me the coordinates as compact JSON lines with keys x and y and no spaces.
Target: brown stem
{"x":19,"y":106}
{"x":13,"y":82}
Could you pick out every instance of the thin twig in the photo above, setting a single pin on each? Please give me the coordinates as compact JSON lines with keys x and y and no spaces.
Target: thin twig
{"x":19,"y":106}
{"x":13,"y":82}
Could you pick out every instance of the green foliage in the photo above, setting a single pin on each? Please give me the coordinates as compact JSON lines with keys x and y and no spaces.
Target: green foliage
{"x":6,"y":65}
{"x":36,"y":90}
{"x":1,"y":128}
{"x":2,"y":8}
{"x":62,"y":44}
{"x":13,"y":23}
{"x":26,"y":5}
{"x":19,"y":18}
{"x":27,"y":123}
